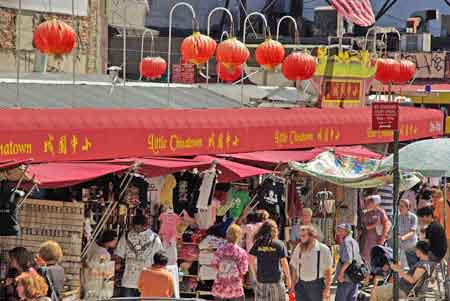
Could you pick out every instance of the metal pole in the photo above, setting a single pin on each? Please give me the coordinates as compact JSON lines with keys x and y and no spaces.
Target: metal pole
{"x":395,"y":204}
{"x":19,"y":14}
{"x":152,"y":46}
{"x":169,"y":51}
{"x":124,"y":53}
{"x":74,"y":51}
{"x":231,"y":33}
{"x":243,"y":41}
{"x":293,"y":21}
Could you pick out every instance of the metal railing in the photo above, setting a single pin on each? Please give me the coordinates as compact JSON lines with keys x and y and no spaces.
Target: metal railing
{"x":150,"y":299}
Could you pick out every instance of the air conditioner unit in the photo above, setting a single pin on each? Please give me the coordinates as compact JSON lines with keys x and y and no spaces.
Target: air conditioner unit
{"x":416,"y":42}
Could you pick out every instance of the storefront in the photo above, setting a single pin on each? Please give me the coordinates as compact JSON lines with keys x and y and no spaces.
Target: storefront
{"x":134,"y":155}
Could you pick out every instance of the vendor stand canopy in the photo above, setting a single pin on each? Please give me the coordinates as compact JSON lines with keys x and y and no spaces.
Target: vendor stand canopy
{"x":352,"y":172}
{"x":429,"y":157}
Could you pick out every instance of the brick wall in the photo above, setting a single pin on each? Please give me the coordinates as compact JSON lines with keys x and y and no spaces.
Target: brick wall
{"x":86,"y":28}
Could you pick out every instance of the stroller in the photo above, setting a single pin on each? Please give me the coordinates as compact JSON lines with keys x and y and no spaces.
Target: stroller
{"x":381,"y":258}
{"x":380,"y":270}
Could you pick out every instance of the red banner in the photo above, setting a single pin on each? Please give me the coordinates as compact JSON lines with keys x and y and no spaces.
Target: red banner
{"x":86,"y":134}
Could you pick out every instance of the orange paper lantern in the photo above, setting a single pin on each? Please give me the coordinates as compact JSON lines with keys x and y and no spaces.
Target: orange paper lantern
{"x":232,"y":53}
{"x":198,"y":48}
{"x":299,"y":66}
{"x":270,"y":54}
{"x":228,"y":74}
{"x":388,"y":70}
{"x":54,"y":37}
{"x":152,"y":67}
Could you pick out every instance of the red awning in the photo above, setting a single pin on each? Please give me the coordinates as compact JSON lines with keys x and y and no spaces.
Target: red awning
{"x":273,"y":158}
{"x":48,"y":135}
{"x":153,"y":167}
{"x":269,"y":159}
{"x":232,"y":171}
{"x":11,"y":164}
{"x":57,"y":175}
{"x":357,"y":151}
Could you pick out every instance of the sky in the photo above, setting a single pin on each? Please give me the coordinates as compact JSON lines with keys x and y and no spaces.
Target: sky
{"x":398,"y":14}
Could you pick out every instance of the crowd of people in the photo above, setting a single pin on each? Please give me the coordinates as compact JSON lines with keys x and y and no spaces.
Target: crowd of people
{"x":254,"y":251}
{"x":34,"y":277}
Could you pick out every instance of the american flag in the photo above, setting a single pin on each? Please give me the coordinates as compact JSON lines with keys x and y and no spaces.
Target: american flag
{"x":356,"y":11}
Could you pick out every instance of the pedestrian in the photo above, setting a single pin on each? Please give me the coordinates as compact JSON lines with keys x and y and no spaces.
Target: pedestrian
{"x":32,"y":287}
{"x":98,"y":254}
{"x":434,"y":234}
{"x":347,"y":290}
{"x":48,"y":262}
{"x":407,"y":228}
{"x":376,"y":225}
{"x":157,"y":281}
{"x":20,"y":260}
{"x":437,"y":202}
{"x":231,"y":263}
{"x":268,"y":261}
{"x":408,"y":280}
{"x":312,"y":263}
{"x":137,"y":248}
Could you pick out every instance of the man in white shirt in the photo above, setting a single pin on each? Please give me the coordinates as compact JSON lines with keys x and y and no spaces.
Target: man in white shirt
{"x":137,"y":247}
{"x":311,"y":262}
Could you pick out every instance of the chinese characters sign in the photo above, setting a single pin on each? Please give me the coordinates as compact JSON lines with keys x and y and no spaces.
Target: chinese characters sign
{"x":385,"y":115}
{"x":342,"y":93}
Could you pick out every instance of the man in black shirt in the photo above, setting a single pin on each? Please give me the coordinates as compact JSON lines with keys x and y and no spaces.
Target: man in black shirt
{"x":434,"y":234}
{"x":268,"y":261}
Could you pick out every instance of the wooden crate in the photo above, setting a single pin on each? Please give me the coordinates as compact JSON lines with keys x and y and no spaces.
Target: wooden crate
{"x":43,"y":220}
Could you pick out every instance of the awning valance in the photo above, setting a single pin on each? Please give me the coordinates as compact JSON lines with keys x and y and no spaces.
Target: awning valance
{"x":159,"y":166}
{"x":273,"y":158}
{"x":57,"y":175}
{"x":232,"y":171}
{"x":90,"y":134}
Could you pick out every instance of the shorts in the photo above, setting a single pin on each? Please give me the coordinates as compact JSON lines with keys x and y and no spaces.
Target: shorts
{"x":270,"y":292}
{"x":386,"y":293}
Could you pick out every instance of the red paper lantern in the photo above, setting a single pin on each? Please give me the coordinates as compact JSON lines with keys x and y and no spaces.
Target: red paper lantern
{"x":270,"y":54}
{"x":232,"y":53}
{"x":228,"y":74}
{"x":406,"y":72}
{"x":299,"y":66}
{"x":198,"y":48}
{"x":54,"y":37}
{"x":152,"y":67}
{"x":388,"y":70}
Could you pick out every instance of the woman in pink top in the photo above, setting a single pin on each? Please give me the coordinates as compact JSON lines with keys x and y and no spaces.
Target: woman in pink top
{"x":231,"y":263}
{"x":249,"y":230}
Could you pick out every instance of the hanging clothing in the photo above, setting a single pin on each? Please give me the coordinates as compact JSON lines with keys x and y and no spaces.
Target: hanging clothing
{"x":154,"y":189}
{"x":240,"y":199}
{"x":205,"y":218}
{"x":295,"y":203}
{"x":271,"y":198}
{"x":166,"y":194}
{"x":207,"y":188}
{"x":184,"y":192}
{"x":168,"y":230}
{"x":9,"y":223}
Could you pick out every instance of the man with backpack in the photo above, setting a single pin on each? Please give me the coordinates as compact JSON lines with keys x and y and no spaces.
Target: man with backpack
{"x":349,"y":254}
{"x":137,"y":248}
